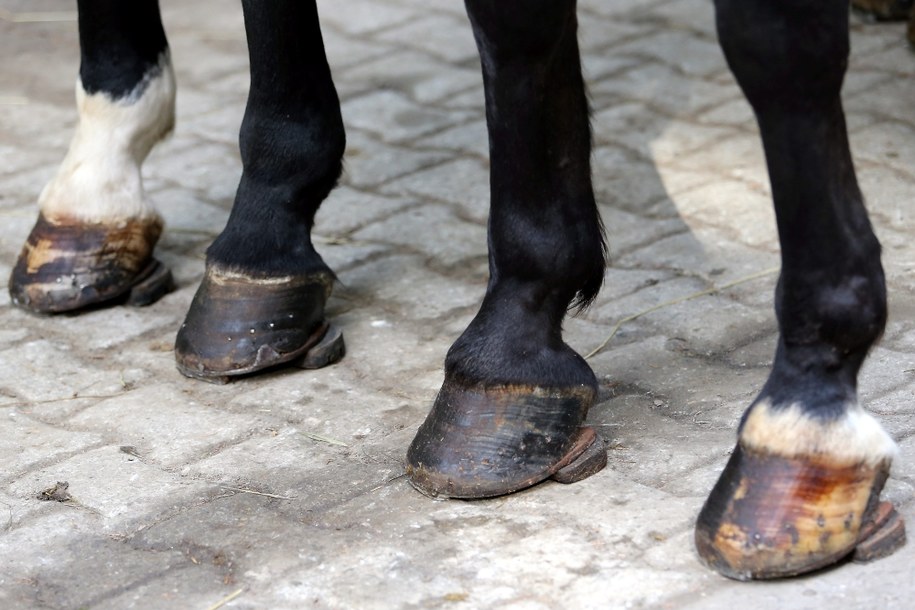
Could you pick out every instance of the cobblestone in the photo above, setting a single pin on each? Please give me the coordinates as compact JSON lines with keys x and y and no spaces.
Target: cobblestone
{"x":286,"y":489}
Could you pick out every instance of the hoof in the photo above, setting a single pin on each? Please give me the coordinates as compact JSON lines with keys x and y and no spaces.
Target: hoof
{"x":67,"y":266}
{"x":238,"y":325}
{"x":770,"y":516}
{"x":482,"y":442}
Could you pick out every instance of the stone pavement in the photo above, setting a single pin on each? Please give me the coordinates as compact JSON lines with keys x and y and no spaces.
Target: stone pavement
{"x":285,"y":491}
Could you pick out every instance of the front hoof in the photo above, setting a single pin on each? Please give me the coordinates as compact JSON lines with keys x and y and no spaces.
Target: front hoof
{"x":771,"y":516}
{"x":239,"y":324}
{"x":68,"y":265}
{"x":480,"y":442}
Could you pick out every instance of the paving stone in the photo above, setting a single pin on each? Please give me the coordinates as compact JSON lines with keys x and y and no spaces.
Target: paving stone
{"x":25,"y":442}
{"x":369,"y":163}
{"x":702,"y":252}
{"x":185,"y":213}
{"x":886,"y":195}
{"x":16,"y":161}
{"x":140,"y":578}
{"x":363,"y":16}
{"x":20,"y":201}
{"x":684,"y":50}
{"x":736,"y":111}
{"x":450,"y":240}
{"x":211,"y":169}
{"x":666,"y":90}
{"x":110,"y":488}
{"x":658,"y":441}
{"x":470,"y":99}
{"x":455,"y":45}
{"x":219,"y":124}
{"x":152,"y":431}
{"x":345,"y":50}
{"x":348,"y":209}
{"x":719,"y":401}
{"x":627,"y":232}
{"x":605,"y":34}
{"x":386,"y":278}
{"x":392,"y":117}
{"x":416,"y":370}
{"x":32,"y":360}
{"x":885,"y":370}
{"x":731,"y":207}
{"x":111,"y":328}
{"x":415,"y":75}
{"x":471,"y":138}
{"x":464,"y":182}
{"x":887,"y":144}
{"x":632,"y":8}
{"x":734,"y":155}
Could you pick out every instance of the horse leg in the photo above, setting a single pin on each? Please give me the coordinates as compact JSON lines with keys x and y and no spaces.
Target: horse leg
{"x":510,"y":410}
{"x":261,"y":301}
{"x":96,"y":229}
{"x":801,"y":489}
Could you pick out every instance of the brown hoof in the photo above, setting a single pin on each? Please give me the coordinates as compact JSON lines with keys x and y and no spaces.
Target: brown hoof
{"x":482,"y":442}
{"x":66,"y":266}
{"x":770,"y":516}
{"x":239,"y":325}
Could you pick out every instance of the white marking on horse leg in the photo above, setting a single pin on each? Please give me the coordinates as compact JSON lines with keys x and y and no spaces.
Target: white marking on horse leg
{"x":99,"y":180}
{"x":853,"y":438}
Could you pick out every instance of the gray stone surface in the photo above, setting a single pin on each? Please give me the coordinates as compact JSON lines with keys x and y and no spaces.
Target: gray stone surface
{"x":285,"y":490}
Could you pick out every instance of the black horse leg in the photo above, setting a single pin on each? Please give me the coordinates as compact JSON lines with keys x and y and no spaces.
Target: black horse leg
{"x":515,"y":395}
{"x":261,"y":302}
